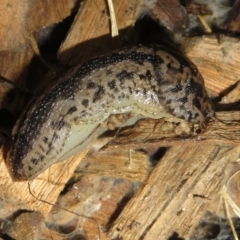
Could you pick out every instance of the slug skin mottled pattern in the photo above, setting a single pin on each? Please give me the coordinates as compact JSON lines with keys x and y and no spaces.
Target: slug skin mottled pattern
{"x":136,"y":82}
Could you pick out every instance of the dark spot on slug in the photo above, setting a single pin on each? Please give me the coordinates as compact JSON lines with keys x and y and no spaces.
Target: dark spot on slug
{"x":177,"y":88}
{"x":124,"y":75}
{"x":45,"y":140}
{"x":130,"y":90}
{"x":108,"y":72}
{"x":183,"y":100}
{"x":194,"y":88}
{"x":98,"y":94}
{"x":91,"y":85}
{"x":194,"y":72}
{"x":148,"y":75}
{"x":141,"y":76}
{"x":49,"y":150}
{"x":41,"y":158}
{"x":34,"y":161}
{"x":116,"y":90}
{"x":112,"y":84}
{"x":121,"y":96}
{"x":112,"y":96}
{"x":55,"y":136}
{"x":41,"y":147}
{"x":189,"y":115}
{"x":58,"y":123}
{"x":196,"y":103}
{"x":71,"y":110}
{"x":85,"y":102}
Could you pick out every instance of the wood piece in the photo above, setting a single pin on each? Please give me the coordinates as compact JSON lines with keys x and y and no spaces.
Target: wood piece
{"x":18,"y":21}
{"x":170,"y":14}
{"x":14,"y":64}
{"x":43,"y":13}
{"x":232,"y":22}
{"x":176,"y":194}
{"x":232,"y":96}
{"x":47,"y":186}
{"x":11,"y":31}
{"x":94,"y":196}
{"x":216,"y":58}
{"x":28,"y":16}
{"x":90,"y":33}
{"x":127,"y":164}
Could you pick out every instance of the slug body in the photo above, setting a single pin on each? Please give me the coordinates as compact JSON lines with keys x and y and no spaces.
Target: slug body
{"x":134,"y":83}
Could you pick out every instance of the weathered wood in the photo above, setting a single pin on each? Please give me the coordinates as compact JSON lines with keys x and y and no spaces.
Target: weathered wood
{"x":219,"y":61}
{"x":46,"y":186}
{"x":90,"y":33}
{"x":42,"y":13}
{"x":176,"y":194}
{"x":18,"y":21}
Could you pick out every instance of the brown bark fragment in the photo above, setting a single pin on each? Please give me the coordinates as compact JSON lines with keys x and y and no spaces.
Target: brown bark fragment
{"x":233,"y":19}
{"x":216,"y":58}
{"x":43,"y":13}
{"x":90,"y":33}
{"x":172,"y":194}
{"x":170,"y":14}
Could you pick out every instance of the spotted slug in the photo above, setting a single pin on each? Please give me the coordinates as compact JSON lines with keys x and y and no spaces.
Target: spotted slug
{"x":106,"y":92}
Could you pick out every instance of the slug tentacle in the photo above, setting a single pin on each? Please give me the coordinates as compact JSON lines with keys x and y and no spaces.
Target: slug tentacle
{"x":133,"y":83}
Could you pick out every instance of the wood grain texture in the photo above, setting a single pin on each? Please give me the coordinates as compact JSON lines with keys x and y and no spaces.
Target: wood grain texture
{"x":196,"y":184}
{"x":18,"y":21}
{"x":90,"y":33}
{"x":217,"y":58}
{"x":47,"y":186}
{"x":166,"y":203}
{"x":43,"y":13}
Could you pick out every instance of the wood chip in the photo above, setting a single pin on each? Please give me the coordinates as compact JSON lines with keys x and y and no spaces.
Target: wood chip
{"x":90,"y":33}
{"x":216,"y":59}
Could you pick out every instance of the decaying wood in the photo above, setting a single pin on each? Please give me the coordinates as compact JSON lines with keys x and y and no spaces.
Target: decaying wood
{"x":46,"y":186}
{"x":36,"y":18}
{"x":232,"y":22}
{"x":233,"y":96}
{"x":92,"y":23}
{"x":127,"y":164}
{"x":219,"y":61}
{"x":19,"y":20}
{"x":176,"y":194}
{"x":174,"y":14}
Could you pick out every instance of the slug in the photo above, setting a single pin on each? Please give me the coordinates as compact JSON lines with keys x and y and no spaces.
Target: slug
{"x":106,"y":92}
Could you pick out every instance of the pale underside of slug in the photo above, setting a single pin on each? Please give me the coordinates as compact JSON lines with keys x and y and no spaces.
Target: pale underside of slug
{"x":133,"y":83}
